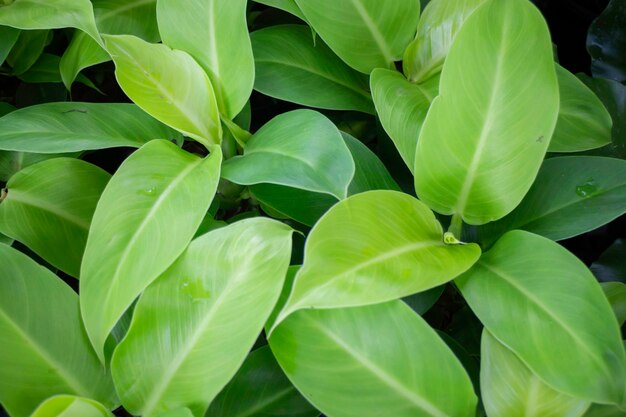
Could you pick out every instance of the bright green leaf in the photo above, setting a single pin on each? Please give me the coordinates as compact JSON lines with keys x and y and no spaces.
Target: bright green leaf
{"x":45,"y":350}
{"x":616,"y":294}
{"x":366,"y":34}
{"x":193,"y":327}
{"x":510,"y":389}
{"x":168,"y":84}
{"x":374,"y":247}
{"x":71,"y":127}
{"x":215,"y":33}
{"x":292,"y":66}
{"x":71,"y":406}
{"x":146,"y":216}
{"x":483,"y":141}
{"x":48,"y":207}
{"x":379,"y":360}
{"x":301,"y":149}
{"x":544,"y":304}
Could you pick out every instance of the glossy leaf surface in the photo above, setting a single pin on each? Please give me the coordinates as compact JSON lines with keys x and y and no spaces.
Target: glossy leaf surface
{"x":438,"y":26}
{"x":71,"y":406}
{"x":371,"y":361}
{"x":292,"y":66}
{"x":164,"y":193}
{"x":260,"y":388}
{"x":374,"y":247}
{"x":483,"y":141}
{"x":380,"y":29}
{"x":301,"y":149}
{"x":193,"y":327}
{"x":49,"y":206}
{"x":168,"y":84}
{"x":71,"y":127}
{"x":570,"y":339}
{"x":45,"y":350}
{"x":510,"y":389}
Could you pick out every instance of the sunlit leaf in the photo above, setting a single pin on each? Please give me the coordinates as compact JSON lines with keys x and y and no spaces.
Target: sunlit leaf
{"x":70,"y":406}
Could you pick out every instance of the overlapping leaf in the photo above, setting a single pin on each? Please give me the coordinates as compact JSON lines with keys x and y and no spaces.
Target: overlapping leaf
{"x":70,"y":406}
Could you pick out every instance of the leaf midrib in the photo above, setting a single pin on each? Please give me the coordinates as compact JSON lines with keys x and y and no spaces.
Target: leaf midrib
{"x":23,"y":198}
{"x":378,"y":37}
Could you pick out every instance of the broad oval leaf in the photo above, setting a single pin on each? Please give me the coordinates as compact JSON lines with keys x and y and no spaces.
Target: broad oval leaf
{"x":49,"y":14}
{"x":260,"y":388}
{"x":48,"y":207}
{"x":487,"y":132}
{"x":45,"y":350}
{"x":379,"y":360}
{"x":193,"y":327}
{"x":571,"y":195}
{"x":145,"y":218}
{"x":616,"y":294}
{"x":71,"y":127}
{"x":71,"y":406}
{"x":373,"y":247}
{"x":382,"y":30}
{"x":544,"y":304}
{"x":438,"y":26}
{"x":584,"y":123}
{"x":168,"y":84}
{"x":510,"y":389}
{"x":401,"y":107}
{"x":301,"y":149}
{"x":215,"y":33}
{"x":291,"y":65}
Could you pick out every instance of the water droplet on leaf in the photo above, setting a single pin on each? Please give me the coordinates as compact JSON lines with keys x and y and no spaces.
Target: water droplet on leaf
{"x":587,"y":189}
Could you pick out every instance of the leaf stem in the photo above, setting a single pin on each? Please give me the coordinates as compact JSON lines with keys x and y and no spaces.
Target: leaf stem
{"x":453,"y":235}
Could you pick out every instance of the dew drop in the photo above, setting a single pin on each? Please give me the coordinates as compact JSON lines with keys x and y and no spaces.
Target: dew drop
{"x":195,"y":289}
{"x":150,"y":191}
{"x":587,"y":189}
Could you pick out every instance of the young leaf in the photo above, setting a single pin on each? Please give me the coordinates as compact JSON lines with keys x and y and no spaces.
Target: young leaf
{"x":402,"y":108}
{"x":379,"y":360}
{"x":616,"y":294}
{"x":374,"y":247}
{"x":380,"y":29}
{"x":215,"y":33}
{"x":71,"y":127}
{"x":49,"y":14}
{"x":483,"y":140}
{"x":194,"y":326}
{"x":260,"y":388}
{"x":571,"y":195}
{"x":48,"y":207}
{"x":569,"y":336}
{"x":301,"y":149}
{"x":45,"y":350}
{"x":438,"y":26}
{"x":69,"y":406}
{"x":146,"y":216}
{"x":288,"y":6}
{"x":8,"y":37}
{"x":510,"y":389}
{"x":584,"y":123}
{"x":292,"y":66}
{"x":167,"y":84}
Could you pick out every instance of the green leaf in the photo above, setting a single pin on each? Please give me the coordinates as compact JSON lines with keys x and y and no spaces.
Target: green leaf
{"x":301,"y":149}
{"x":49,"y":14}
{"x":598,"y":410}
{"x":611,"y":265}
{"x":45,"y":350}
{"x":71,"y":406}
{"x":179,"y":412}
{"x":46,"y":70}
{"x":8,"y":37}
{"x":72,"y":126}
{"x":113,"y":17}
{"x":151,"y":74}
{"x":292,"y":66}
{"x":483,"y":141}
{"x":163,"y":194}
{"x":543,"y":303}
{"x":379,"y":360}
{"x":260,"y":388}
{"x":616,"y":294}
{"x":49,"y":206}
{"x":27,"y":50}
{"x":374,"y":247}
{"x":438,"y":26}
{"x":215,"y":33}
{"x":571,"y":195}
{"x":510,"y":389}
{"x":366,"y":34}
{"x":288,"y":6}
{"x":369,"y":171}
{"x":401,"y":107}
{"x":606,"y":43}
{"x":181,"y":349}
{"x":584,"y":123}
